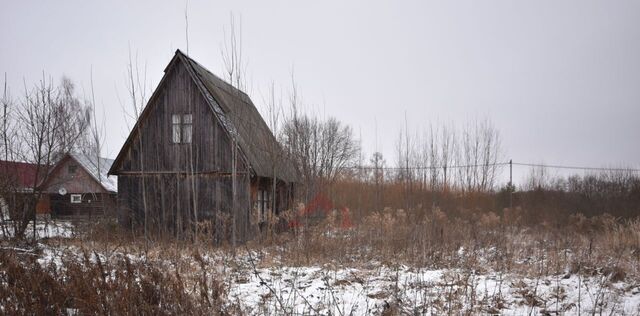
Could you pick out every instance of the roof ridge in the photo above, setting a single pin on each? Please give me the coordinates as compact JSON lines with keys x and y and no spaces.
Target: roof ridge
{"x":227,"y":84}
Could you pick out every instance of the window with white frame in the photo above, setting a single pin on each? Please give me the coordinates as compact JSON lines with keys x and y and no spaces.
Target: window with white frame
{"x":187,"y":128}
{"x":76,"y":198}
{"x":181,"y":128}
{"x":175,"y":128}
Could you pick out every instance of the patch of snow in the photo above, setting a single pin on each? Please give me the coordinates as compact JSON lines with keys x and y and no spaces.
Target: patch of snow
{"x":47,"y":229}
{"x":376,"y":288}
{"x":316,"y":290}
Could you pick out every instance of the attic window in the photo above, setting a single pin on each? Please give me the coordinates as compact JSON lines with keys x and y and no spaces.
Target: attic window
{"x":187,"y":123}
{"x":72,"y":169}
{"x":175,"y":128}
{"x":181,"y":128}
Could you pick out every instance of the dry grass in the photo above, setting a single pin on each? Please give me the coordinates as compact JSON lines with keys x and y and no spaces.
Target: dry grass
{"x":110,"y":272}
{"x":483,"y":241}
{"x":88,"y":282}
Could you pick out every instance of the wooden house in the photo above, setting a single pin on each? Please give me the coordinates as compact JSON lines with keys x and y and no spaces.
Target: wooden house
{"x":78,"y":185}
{"x":200,"y":151}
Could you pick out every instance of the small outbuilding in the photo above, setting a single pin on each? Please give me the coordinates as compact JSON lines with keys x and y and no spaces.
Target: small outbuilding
{"x":201,"y":153}
{"x":78,"y":185}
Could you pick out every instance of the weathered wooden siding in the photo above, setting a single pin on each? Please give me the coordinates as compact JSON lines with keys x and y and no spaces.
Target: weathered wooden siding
{"x":152,"y":149}
{"x":171,"y":207}
{"x":92,"y":205}
{"x":182,"y":183}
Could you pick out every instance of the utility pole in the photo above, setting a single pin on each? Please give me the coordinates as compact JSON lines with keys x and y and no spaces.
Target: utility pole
{"x":510,"y":184}
{"x":444,"y":188}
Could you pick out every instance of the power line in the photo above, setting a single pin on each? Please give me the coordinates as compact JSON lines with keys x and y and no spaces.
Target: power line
{"x":574,"y":167}
{"x":428,"y":167}
{"x":550,"y":166}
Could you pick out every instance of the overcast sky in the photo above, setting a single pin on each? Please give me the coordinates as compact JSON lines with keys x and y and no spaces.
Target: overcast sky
{"x":559,"y":79}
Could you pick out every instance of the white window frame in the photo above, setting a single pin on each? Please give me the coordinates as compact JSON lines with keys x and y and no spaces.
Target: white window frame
{"x":75,"y":198}
{"x":187,"y":128}
{"x":181,"y":128}
{"x":176,"y":132}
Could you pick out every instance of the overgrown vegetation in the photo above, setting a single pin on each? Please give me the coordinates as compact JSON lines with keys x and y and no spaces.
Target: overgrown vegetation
{"x":88,"y":282}
{"x":105,"y":271}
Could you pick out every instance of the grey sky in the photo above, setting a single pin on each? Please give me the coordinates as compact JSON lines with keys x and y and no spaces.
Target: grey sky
{"x":559,"y":79}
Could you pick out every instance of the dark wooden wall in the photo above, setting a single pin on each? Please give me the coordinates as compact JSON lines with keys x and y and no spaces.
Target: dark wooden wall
{"x":171,"y":207}
{"x":182,"y":182}
{"x":92,"y":205}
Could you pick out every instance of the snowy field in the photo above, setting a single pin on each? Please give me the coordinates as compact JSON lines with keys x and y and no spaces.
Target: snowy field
{"x":337,"y":273}
{"x":259,"y":287}
{"x":410,"y":291}
{"x":414,"y":291}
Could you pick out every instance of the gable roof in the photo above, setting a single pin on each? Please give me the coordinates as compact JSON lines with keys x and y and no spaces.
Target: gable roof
{"x":251,"y":131}
{"x":98,"y":169}
{"x":239,"y":118}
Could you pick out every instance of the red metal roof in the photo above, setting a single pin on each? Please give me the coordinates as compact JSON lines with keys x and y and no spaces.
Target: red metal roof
{"x":24,"y":173}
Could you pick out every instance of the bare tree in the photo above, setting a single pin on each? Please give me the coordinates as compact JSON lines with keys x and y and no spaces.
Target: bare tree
{"x":431,"y":145}
{"x":490,"y":155}
{"x":51,"y":121}
{"x":232,"y":57}
{"x":235,"y":68}
{"x":136,"y":80}
{"x":320,"y":149}
{"x":479,"y":152}
{"x":447,"y":153}
{"x":274,"y":114}
{"x":8,"y":183}
{"x":7,"y":105}
{"x":538,"y":179}
{"x":378,"y":163}
{"x":74,"y":116}
{"x":408,"y":162}
{"x":92,"y":143}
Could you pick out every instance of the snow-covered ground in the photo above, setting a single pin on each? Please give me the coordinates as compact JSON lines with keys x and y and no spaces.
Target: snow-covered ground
{"x":47,"y":229}
{"x":404,"y":290}
{"x":52,"y":229}
{"x":270,"y":288}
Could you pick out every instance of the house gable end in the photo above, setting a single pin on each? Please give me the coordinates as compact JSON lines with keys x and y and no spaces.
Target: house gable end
{"x":78,"y":181}
{"x":150,"y":148}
